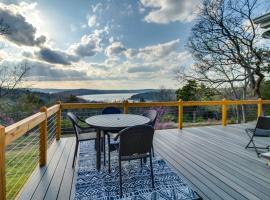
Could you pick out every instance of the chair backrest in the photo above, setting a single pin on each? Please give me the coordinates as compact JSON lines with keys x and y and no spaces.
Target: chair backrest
{"x":73,"y":118}
{"x":152,"y":115}
{"x":263,"y":126}
{"x":111,"y":110}
{"x":263,"y":123}
{"x":136,"y":140}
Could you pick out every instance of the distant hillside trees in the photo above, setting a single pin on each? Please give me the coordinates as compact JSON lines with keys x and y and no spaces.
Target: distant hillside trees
{"x":193,"y":91}
{"x":265,"y":89}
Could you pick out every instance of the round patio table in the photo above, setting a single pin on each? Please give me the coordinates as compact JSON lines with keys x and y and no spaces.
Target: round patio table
{"x":113,"y":122}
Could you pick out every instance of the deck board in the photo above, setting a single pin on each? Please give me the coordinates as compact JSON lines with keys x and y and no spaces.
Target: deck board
{"x":211,"y":159}
{"x":67,"y":181}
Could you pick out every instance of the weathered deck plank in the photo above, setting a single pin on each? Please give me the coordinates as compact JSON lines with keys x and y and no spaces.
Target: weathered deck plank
{"x":211,"y":159}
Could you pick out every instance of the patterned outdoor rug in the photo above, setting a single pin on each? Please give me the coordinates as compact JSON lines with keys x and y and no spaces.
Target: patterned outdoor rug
{"x":95,"y":185}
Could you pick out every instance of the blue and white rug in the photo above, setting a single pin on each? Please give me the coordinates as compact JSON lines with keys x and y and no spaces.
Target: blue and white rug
{"x":94,"y":185}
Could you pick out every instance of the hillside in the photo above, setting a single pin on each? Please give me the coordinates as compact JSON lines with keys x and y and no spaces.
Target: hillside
{"x":157,"y":95}
{"x":79,"y":92}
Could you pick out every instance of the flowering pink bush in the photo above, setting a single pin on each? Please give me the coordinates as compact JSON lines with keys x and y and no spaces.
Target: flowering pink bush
{"x":5,"y":120}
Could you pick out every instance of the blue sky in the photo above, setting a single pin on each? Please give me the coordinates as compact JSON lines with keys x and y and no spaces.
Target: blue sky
{"x":108,"y":44}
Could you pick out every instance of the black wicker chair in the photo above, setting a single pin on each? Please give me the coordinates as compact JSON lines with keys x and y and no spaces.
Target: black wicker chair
{"x":111,"y":110}
{"x":81,"y":133}
{"x":111,"y":146}
{"x":152,"y":115}
{"x":135,"y":143}
{"x":262,"y":129}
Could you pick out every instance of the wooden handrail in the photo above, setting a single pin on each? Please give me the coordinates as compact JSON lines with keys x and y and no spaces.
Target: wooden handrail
{"x":157,"y":104}
{"x":19,"y":128}
{"x":52,"y":110}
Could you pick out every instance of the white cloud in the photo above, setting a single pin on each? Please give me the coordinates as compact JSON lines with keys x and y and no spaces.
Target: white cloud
{"x":154,"y":52}
{"x":115,"y":49}
{"x":166,"y":11}
{"x":21,"y":31}
{"x":97,"y":7}
{"x":88,"y":46}
{"x":92,"y":20}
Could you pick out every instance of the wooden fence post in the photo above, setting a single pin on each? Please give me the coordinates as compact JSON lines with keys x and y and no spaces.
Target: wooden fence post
{"x":259,"y":105}
{"x":126,"y":106}
{"x":2,"y":163}
{"x":224,"y":112}
{"x":58,"y":122}
{"x":43,"y":139}
{"x":180,"y":114}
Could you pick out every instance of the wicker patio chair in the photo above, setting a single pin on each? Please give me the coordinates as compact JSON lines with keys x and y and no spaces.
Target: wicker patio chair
{"x":135,"y":143}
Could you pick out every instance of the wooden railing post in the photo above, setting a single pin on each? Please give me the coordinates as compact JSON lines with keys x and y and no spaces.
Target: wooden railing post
{"x":58,"y":122}
{"x":43,"y":139}
{"x":180,"y":114}
{"x":126,"y":106}
{"x":2,"y":164}
{"x":224,"y":112}
{"x":259,"y":113}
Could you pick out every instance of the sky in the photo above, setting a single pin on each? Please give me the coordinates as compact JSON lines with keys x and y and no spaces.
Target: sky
{"x":105,"y":44}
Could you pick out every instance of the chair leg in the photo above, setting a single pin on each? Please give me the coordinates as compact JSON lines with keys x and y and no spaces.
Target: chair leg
{"x":254,"y":146}
{"x":141,"y":162}
{"x":109,"y":153}
{"x":120,"y":178}
{"x":75,"y":153}
{"x":257,"y":152}
{"x":153,"y":152}
{"x":251,"y":139}
{"x":152,"y":173}
{"x":104,"y":150}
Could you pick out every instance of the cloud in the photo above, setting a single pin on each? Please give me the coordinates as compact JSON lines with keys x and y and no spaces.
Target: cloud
{"x":97,"y":7}
{"x":45,"y":72}
{"x":56,"y":56}
{"x":166,"y":11}
{"x":115,"y":49}
{"x":21,"y":31}
{"x":88,"y":46}
{"x":131,"y":53}
{"x":144,"y":69}
{"x":92,"y":20}
{"x":40,"y":71}
{"x":154,"y":52}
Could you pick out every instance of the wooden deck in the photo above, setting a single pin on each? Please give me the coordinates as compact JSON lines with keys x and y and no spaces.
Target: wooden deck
{"x":211,"y":159}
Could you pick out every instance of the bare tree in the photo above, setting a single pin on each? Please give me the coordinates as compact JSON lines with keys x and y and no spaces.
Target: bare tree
{"x":224,"y":45}
{"x":10,"y":76}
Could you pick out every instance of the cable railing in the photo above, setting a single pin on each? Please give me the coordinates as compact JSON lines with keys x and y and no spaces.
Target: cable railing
{"x":24,"y":144}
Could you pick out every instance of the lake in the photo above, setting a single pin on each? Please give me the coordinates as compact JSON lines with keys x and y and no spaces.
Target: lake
{"x":118,"y":97}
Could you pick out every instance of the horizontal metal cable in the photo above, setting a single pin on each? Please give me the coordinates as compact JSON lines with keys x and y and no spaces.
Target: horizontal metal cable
{"x":28,"y":144}
{"x":22,"y":158}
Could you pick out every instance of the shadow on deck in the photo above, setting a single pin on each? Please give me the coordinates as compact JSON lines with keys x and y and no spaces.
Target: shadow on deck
{"x":211,"y":159}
